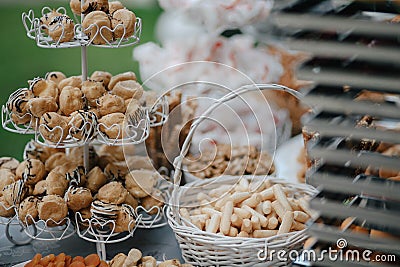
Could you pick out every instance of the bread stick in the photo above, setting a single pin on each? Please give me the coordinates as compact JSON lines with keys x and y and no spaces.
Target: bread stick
{"x":264,"y":233}
{"x":281,"y":197}
{"x":263,"y":220}
{"x":286,"y":224}
{"x":226,"y":218}
{"x":214,"y":224}
{"x":301,"y":216}
{"x":242,"y":213}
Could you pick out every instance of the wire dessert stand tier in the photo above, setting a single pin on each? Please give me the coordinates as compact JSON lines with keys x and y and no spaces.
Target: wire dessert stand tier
{"x":134,"y":130}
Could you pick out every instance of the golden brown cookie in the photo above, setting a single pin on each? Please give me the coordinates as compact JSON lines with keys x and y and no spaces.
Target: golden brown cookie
{"x":31,"y":170}
{"x":93,"y":90}
{"x":56,"y":183}
{"x":116,"y":170}
{"x":71,"y":99}
{"x":125,"y":221}
{"x":133,"y":257}
{"x":123,"y":23}
{"x":35,"y":151}
{"x":82,"y":124}
{"x":131,"y":201}
{"x":95,"y":5}
{"x":9,"y":163}
{"x":39,"y":105}
{"x":95,"y":179}
{"x":105,"y":159}
{"x":6,"y":210}
{"x":14,"y":193}
{"x":28,"y":210}
{"x":55,"y":76}
{"x":126,"y":76}
{"x":101,"y":76}
{"x":54,"y":209}
{"x":140,"y":163}
{"x":114,"y":6}
{"x":6,"y":178}
{"x":113,"y":193}
{"x":108,"y":104}
{"x":55,"y":160}
{"x":148,"y":98}
{"x":93,"y":24}
{"x":112,"y":125}
{"x":104,"y":211}
{"x":40,"y":188}
{"x":74,"y":81}
{"x":128,"y":89}
{"x":53,"y":127}
{"x":47,"y":18}
{"x":61,"y":29}
{"x":116,"y":151}
{"x":118,"y":260}
{"x":140,"y":183}
{"x":19,"y":100}
{"x":153,"y":200}
{"x":42,"y":88}
{"x":75,"y":6}
{"x":78,"y":198}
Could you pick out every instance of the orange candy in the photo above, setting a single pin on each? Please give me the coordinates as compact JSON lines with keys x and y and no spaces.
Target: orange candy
{"x":78,"y":258}
{"x":77,"y":264}
{"x":35,"y":261}
{"x":92,"y":259}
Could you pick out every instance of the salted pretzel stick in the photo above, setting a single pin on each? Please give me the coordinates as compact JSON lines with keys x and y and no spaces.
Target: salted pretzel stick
{"x":226,"y":218}
{"x":238,"y":197}
{"x":263,"y":220}
{"x":281,"y":197}
{"x":214,"y":224}
{"x":242,"y":213}
{"x":301,"y":216}
{"x":286,"y":224}
{"x":264,"y":233}
{"x":236,"y":220}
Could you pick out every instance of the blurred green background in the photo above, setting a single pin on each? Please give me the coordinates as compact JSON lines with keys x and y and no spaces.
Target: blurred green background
{"x":22,"y":60}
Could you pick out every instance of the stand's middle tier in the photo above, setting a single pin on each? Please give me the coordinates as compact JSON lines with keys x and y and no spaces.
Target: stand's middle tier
{"x":66,"y":112}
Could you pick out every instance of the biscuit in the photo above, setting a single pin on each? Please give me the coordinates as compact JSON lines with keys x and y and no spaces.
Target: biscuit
{"x":28,"y":210}
{"x":140,"y":183}
{"x":71,"y":99}
{"x":82,"y":124}
{"x":56,"y":184}
{"x":9,"y":163}
{"x":40,"y":188}
{"x":126,"y":76}
{"x":75,"y":6}
{"x":104,"y":160}
{"x":35,"y":151}
{"x":101,"y":76}
{"x":39,"y":105}
{"x":108,"y":104}
{"x":125,"y":221}
{"x":112,"y":125}
{"x":127,"y":19}
{"x":61,"y":29}
{"x":154,"y":200}
{"x":113,"y":193}
{"x":104,"y":211}
{"x":95,"y":179}
{"x":31,"y":170}
{"x":76,"y":176}
{"x":18,"y":101}
{"x":74,"y":81}
{"x":116,"y":151}
{"x":95,"y":5}
{"x":93,"y":24}
{"x":116,"y":171}
{"x":140,"y":162}
{"x":128,"y":89}
{"x":53,"y":127}
{"x":6,"y":210}
{"x":14,"y":193}
{"x":148,"y":99}
{"x":75,"y":156}
{"x":55,"y":76}
{"x":47,"y":18}
{"x":6,"y":178}
{"x":53,"y":210}
{"x":43,"y":88}
{"x":118,"y":260}
{"x":55,"y":160}
{"x":78,"y":198}
{"x":92,"y":91}
{"x":114,"y":6}
{"x":131,"y":201}
{"x":26,"y":119}
{"x":85,"y":213}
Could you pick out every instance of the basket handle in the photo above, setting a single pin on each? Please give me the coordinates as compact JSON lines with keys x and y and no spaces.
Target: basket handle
{"x":229,"y":96}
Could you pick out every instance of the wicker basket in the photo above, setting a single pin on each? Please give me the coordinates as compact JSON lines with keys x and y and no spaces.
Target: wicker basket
{"x":201,"y":248}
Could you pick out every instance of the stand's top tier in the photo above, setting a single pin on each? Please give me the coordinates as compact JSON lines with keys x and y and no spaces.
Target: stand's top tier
{"x":111,"y":26}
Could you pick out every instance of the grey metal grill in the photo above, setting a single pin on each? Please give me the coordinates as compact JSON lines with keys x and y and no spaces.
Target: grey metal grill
{"x":356,"y":55}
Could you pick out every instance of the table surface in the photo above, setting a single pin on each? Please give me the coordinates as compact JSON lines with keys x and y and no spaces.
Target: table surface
{"x":159,"y":243}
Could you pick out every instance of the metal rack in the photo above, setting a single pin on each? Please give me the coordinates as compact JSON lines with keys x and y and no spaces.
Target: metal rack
{"x":135,"y":131}
{"x":356,"y":97}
